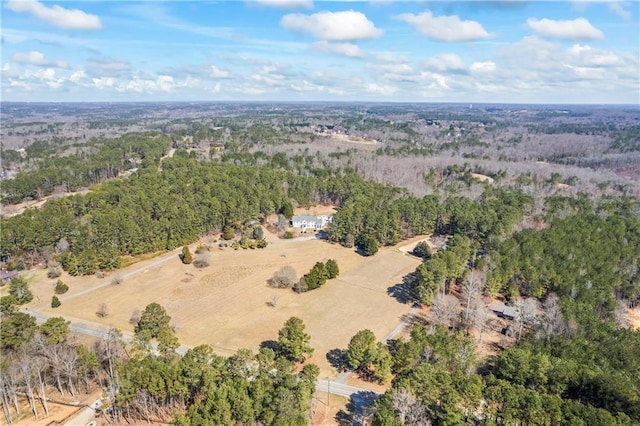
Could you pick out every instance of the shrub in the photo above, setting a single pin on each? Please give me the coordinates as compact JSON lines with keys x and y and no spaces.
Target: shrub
{"x":55,"y":302}
{"x":288,"y":235}
{"x":202,"y":260}
{"x":186,"y":256}
{"x":61,"y":288}
{"x":258,"y":233}
{"x":54,"y":272}
{"x":285,"y":277}
{"x":422,"y":250}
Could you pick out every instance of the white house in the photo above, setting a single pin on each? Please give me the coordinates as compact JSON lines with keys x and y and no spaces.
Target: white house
{"x":311,"y":222}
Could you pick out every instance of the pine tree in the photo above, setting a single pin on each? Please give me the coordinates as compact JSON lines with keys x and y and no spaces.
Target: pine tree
{"x":55,"y":302}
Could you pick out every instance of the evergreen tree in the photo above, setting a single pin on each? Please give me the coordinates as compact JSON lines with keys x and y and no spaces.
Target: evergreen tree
{"x":19,"y":290}
{"x":332,"y":269}
{"x":186,"y":256}
{"x":55,"y":302}
{"x":361,"y":350}
{"x":61,"y":287}
{"x":368,"y":245}
{"x":293,"y":342}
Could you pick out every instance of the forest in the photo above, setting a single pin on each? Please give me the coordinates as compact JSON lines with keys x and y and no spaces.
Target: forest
{"x":567,"y":260}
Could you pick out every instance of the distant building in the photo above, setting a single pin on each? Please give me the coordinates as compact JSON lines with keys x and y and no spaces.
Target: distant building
{"x":503,"y":311}
{"x":5,"y":276}
{"x":311,"y":222}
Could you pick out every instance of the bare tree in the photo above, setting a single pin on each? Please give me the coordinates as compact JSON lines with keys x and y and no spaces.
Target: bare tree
{"x":409,"y":411}
{"x":553,"y":320}
{"x":527,"y":313}
{"x":202,"y":260}
{"x":620,"y":314}
{"x":285,"y":277}
{"x":135,"y":316}
{"x":480,"y":316}
{"x":273,"y":301}
{"x":26,"y":368}
{"x":472,"y":287}
{"x":444,"y":309}
{"x":102,"y":311}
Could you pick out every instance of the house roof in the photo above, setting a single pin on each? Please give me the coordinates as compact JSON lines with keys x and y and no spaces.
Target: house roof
{"x":307,"y":218}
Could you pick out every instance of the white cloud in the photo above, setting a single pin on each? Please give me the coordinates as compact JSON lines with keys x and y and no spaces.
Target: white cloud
{"x":334,"y":26}
{"x":445,"y":28}
{"x":576,"y":29}
{"x":38,"y":59}
{"x":482,"y":67}
{"x":590,"y":57}
{"x":285,"y":4}
{"x":344,"y":49}
{"x":385,"y":90}
{"x":619,"y":8}
{"x":445,"y":62}
{"x":71,"y":19}
{"x":218,"y":73}
{"x":103,"y":82}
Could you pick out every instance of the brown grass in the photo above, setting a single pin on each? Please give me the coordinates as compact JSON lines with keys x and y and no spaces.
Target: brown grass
{"x":225,"y":305}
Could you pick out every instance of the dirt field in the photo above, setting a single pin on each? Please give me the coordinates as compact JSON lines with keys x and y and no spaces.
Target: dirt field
{"x":226,"y":304}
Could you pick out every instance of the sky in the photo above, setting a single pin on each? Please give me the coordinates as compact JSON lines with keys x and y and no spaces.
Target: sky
{"x":518,"y":51}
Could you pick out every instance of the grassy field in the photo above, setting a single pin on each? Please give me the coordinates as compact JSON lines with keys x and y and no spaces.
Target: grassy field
{"x":226,"y":304}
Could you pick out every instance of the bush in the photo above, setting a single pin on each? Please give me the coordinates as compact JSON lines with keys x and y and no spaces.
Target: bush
{"x":284,"y":278}
{"x":55,"y":302}
{"x":54,"y":272}
{"x":186,"y":256}
{"x":348,"y":241}
{"x":117,"y":280}
{"x":61,"y":288}
{"x":422,"y":250}
{"x":368,"y":246}
{"x":202,"y":260}
{"x":288,"y":235}
{"x":258,"y":233}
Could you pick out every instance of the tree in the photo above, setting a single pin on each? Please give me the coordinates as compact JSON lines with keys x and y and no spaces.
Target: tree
{"x":317,"y":276}
{"x":56,"y":330}
{"x":19,"y":289}
{"x":153,"y":320}
{"x":285,"y":277}
{"x":368,"y":245}
{"x":287,"y":210}
{"x":186,"y":255}
{"x":293,"y":342}
{"x":61,"y":287}
{"x":16,"y":330}
{"x":228,"y":233}
{"x":332,"y":269}
{"x":258,"y":233}
{"x":422,"y":250}
{"x":382,"y":362}
{"x":444,"y":309}
{"x":55,"y":302}
{"x":361,"y":350}
{"x":472,"y":287}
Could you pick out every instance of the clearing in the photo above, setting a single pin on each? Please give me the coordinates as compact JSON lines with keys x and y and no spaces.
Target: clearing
{"x":227,"y":304}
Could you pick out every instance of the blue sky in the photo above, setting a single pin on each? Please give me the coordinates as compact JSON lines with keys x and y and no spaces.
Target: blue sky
{"x":309,"y":50}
